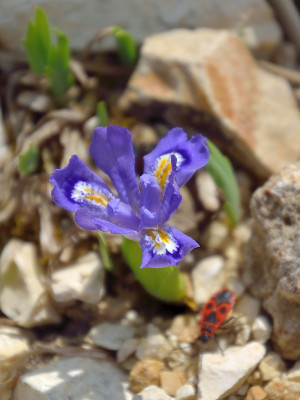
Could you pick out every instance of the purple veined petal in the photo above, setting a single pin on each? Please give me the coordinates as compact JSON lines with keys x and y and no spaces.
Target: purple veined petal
{"x":164,"y":247}
{"x":76,"y":187}
{"x":90,"y":222}
{"x":150,"y":206}
{"x":157,"y":206}
{"x":190,"y":155}
{"x":112,"y":150}
{"x":122,"y":214}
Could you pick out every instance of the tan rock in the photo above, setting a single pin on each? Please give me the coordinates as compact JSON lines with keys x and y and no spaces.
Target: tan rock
{"x":195,"y":74}
{"x":256,"y":393}
{"x":283,"y":390}
{"x":24,"y":293}
{"x":272,"y":366}
{"x":145,"y":373}
{"x":171,"y":381}
{"x":294,"y":373}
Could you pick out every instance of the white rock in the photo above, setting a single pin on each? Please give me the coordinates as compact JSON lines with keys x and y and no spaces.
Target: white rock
{"x":35,"y":101}
{"x":252,"y":19}
{"x":152,"y":393}
{"x":216,"y":234}
{"x":155,"y":345}
{"x":14,"y":343}
{"x":261,"y":329}
{"x":127,"y":349}
{"x":83,"y":280}
{"x":23,"y":290}
{"x":111,"y":336}
{"x":186,"y":392}
{"x":207,"y":191}
{"x":75,"y":378}
{"x":220,"y":375}
{"x":207,"y":278}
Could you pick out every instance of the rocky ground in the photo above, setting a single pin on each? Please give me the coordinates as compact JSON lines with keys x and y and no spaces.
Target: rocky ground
{"x":70,"y":329}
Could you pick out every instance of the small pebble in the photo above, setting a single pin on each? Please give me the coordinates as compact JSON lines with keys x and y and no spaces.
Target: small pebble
{"x":145,"y":373}
{"x":155,"y":345}
{"x":186,"y":392}
{"x":282,"y":390}
{"x":294,"y":373}
{"x":110,"y":336}
{"x":216,"y":235}
{"x":256,"y":393}
{"x":171,"y":381}
{"x":207,"y":191}
{"x":207,"y":278}
{"x":152,"y":393}
{"x":261,"y":329}
{"x":127,"y":348}
{"x":272,"y":366}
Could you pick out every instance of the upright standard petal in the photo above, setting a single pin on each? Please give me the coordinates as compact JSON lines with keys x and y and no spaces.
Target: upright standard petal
{"x":190,"y":156}
{"x":112,"y":150}
{"x":76,"y":187}
{"x":164,"y":247}
{"x":156,"y":205}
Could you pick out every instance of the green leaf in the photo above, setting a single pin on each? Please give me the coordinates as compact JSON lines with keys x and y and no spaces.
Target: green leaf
{"x":29,"y":161}
{"x":106,"y":259}
{"x":166,"y":284}
{"x":102,"y":113}
{"x":58,"y":69}
{"x":220,"y":168}
{"x":126,"y":45}
{"x":37,"y":42}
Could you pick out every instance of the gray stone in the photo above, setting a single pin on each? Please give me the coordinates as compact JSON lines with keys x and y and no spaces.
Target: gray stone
{"x":111,"y":335}
{"x":252,"y":19}
{"x":75,"y":378}
{"x":273,"y":253}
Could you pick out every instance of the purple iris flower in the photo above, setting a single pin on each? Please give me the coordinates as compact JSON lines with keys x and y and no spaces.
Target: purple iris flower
{"x":141,"y":210}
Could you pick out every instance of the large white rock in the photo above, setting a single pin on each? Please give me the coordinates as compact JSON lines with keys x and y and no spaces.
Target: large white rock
{"x":23,"y":290}
{"x":75,"y":378}
{"x":83,"y":280}
{"x":220,"y":375}
{"x":252,"y":19}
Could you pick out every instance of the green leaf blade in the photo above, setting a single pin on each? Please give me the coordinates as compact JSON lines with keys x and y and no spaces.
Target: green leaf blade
{"x":126,"y":45}
{"x":220,"y":168}
{"x":166,"y":284}
{"x":38,"y":42}
{"x":29,"y":160}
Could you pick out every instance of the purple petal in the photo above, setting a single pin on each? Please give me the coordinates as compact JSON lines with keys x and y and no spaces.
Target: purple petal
{"x":90,"y":222}
{"x":165,"y":247}
{"x":112,"y":150}
{"x":122,"y":214}
{"x":76,"y":186}
{"x":190,"y":155}
{"x":157,"y":207}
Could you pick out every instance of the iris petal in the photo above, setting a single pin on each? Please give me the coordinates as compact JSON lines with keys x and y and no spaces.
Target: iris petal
{"x":112,"y":150}
{"x":165,"y":247}
{"x":76,"y":186}
{"x":190,"y":156}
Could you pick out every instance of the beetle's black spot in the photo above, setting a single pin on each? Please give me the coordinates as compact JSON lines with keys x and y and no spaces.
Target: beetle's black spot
{"x":223,"y":310}
{"x":211,"y":318}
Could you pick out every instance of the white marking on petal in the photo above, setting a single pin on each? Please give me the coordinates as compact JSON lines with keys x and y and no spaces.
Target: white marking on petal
{"x":85,"y":191}
{"x":161,"y":241}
